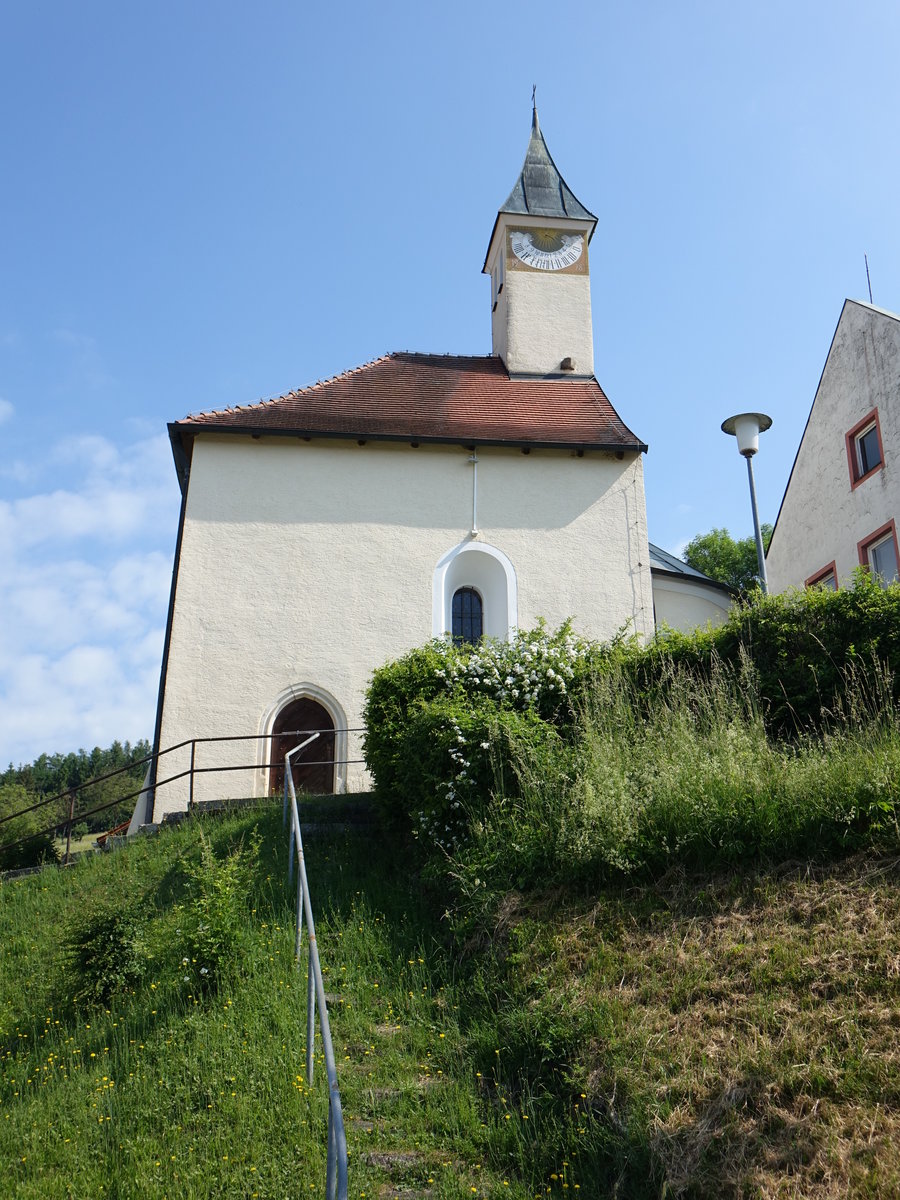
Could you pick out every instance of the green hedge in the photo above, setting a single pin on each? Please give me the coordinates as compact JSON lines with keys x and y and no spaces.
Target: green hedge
{"x":498,"y":743}
{"x":804,"y":647}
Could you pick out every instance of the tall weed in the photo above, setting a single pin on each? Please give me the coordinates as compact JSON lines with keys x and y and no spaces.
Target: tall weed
{"x":214,"y":927}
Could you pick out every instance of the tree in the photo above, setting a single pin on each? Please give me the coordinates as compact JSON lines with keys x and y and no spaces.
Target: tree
{"x":718,"y":555}
{"x":13,"y":798}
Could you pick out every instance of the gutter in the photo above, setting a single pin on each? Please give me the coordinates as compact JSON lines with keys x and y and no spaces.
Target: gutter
{"x":179,"y":434}
{"x":703,"y":580}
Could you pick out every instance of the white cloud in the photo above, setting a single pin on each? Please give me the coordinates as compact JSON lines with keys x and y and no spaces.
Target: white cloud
{"x":18,"y":471}
{"x":116,"y":494}
{"x":6,"y":410}
{"x":85,"y":570}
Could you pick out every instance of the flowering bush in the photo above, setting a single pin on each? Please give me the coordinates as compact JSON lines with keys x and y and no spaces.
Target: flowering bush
{"x":445,"y":723}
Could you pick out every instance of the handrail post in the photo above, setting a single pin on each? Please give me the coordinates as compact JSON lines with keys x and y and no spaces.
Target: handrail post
{"x":69,"y":826}
{"x":291,"y":848}
{"x":336,"y":1171}
{"x":191,"y":784}
{"x":310,"y":1017}
{"x":298,"y":924}
{"x":330,"y":1177}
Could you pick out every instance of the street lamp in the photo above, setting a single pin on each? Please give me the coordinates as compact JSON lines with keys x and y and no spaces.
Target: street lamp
{"x":747,"y":427}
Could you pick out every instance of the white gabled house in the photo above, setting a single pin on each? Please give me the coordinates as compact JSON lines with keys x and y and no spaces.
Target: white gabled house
{"x":842,"y":499}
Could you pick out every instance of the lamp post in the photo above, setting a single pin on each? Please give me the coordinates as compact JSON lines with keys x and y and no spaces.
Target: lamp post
{"x":747,"y":427}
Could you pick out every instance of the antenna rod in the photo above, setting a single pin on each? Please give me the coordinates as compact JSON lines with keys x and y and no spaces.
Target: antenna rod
{"x":868,"y":280}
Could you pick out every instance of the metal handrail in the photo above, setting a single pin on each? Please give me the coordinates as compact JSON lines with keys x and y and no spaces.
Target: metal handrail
{"x":193,"y":770}
{"x":336,"y":1168}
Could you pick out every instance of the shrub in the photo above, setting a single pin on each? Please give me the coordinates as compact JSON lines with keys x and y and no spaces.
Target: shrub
{"x":550,"y":756}
{"x":214,"y":929}
{"x":456,"y":755}
{"x":106,"y":952}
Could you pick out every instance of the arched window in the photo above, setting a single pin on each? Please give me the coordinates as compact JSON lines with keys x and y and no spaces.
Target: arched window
{"x":484,"y":570}
{"x":468,"y":616}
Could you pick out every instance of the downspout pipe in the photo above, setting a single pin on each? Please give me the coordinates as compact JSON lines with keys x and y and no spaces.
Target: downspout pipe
{"x":473,"y":459}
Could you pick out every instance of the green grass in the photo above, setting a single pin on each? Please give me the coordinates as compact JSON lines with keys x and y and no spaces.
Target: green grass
{"x":709,"y":1034}
{"x":165,"y":1094}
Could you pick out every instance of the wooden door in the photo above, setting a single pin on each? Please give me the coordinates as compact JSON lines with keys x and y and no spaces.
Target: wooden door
{"x":313,"y":767}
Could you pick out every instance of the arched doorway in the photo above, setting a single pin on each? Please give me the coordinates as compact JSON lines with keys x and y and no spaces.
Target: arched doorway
{"x":313,"y":768}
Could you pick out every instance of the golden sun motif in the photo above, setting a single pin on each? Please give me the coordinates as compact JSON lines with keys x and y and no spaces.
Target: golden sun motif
{"x":547,"y":239}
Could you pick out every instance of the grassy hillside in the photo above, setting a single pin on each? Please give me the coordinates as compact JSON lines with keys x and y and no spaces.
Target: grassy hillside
{"x":708,"y":1035}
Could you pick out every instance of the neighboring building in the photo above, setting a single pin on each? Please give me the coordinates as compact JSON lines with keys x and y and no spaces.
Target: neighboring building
{"x":683,"y":598}
{"x":330,"y":530}
{"x":843,"y":495}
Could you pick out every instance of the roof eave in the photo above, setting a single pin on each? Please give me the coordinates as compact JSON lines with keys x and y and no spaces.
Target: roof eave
{"x":701,"y":580}
{"x":179,"y":431}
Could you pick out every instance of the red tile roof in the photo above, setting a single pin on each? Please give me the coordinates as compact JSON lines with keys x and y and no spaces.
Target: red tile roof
{"x":439,"y":398}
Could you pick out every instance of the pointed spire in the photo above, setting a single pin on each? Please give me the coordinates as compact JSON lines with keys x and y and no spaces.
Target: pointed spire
{"x":540,"y":190}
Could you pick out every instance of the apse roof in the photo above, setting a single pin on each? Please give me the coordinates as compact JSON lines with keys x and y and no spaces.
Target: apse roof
{"x":664,"y":563}
{"x":432,"y":398}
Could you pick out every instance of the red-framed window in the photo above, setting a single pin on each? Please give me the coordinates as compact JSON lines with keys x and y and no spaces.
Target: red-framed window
{"x":878,"y":552}
{"x":865,"y":453}
{"x":825,"y":578}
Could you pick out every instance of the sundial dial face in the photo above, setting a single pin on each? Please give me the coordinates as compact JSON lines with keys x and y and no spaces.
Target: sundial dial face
{"x":547,"y":249}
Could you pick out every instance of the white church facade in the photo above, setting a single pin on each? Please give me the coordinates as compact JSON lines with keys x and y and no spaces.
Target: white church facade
{"x":332,"y":529}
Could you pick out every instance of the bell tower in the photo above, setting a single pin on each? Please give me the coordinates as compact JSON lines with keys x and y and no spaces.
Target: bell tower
{"x":538,"y":263}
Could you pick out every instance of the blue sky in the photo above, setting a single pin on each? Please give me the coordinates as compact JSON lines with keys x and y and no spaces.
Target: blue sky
{"x":207,"y":204}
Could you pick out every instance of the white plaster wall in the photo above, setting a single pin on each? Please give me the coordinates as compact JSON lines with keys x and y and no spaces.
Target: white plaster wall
{"x":822,"y":518}
{"x":548,"y":319}
{"x":314,"y":561}
{"x":499,"y":326}
{"x":686,"y":605}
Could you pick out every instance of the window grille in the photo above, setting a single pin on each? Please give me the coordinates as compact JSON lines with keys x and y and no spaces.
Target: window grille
{"x":468,"y":616}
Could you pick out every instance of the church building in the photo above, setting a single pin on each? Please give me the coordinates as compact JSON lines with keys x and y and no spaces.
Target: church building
{"x":332,"y":529}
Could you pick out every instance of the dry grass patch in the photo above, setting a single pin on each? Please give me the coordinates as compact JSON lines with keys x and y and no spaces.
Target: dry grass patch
{"x":744,"y":1029}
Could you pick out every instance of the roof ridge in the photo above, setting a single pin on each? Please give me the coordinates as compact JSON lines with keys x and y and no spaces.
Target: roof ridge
{"x":311,"y":387}
{"x":320,"y":383}
{"x":883,"y":312}
{"x":436,"y":354}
